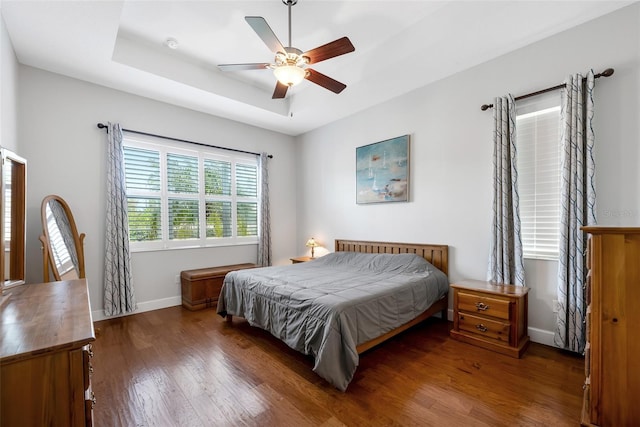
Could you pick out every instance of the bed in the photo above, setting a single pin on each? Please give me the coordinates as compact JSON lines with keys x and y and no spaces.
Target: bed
{"x":342,"y":304}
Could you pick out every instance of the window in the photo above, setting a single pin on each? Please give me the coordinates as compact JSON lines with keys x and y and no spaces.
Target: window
{"x":184,"y":195}
{"x":538,"y":144}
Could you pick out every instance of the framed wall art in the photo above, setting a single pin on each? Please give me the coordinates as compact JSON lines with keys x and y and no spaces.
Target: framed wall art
{"x":382,"y":171}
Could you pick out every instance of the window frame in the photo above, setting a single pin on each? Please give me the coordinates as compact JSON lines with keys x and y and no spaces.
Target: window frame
{"x":202,"y":153}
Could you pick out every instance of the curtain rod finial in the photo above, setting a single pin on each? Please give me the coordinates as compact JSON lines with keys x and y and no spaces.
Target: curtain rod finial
{"x":607,"y":73}
{"x":485,"y":107}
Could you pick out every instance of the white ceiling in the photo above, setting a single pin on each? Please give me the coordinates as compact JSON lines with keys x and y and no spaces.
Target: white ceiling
{"x":120,"y":44}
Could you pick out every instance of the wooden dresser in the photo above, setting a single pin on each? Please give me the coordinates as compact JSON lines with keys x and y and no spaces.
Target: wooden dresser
{"x":491,"y":315}
{"x":612,"y":353}
{"x":45,"y":355}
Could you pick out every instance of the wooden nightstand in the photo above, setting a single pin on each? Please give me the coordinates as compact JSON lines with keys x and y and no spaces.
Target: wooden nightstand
{"x":301,"y":259}
{"x":490,"y":315}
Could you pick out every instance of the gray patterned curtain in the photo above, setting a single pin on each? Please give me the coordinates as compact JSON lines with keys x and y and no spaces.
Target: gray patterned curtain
{"x":577,"y":208}
{"x":264,"y":221}
{"x":119,"y":297}
{"x":506,"y":263}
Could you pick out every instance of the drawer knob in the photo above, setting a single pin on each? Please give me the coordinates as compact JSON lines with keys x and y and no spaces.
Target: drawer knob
{"x":480,"y":306}
{"x":482,"y":328}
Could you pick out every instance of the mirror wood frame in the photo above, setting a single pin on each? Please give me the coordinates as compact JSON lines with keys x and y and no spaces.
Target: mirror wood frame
{"x":14,"y":265}
{"x":48,"y":260}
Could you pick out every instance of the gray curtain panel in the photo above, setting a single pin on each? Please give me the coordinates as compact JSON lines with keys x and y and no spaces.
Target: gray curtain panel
{"x":506,"y":263}
{"x":577,"y":208}
{"x":264,"y":221}
{"x":119,"y":296}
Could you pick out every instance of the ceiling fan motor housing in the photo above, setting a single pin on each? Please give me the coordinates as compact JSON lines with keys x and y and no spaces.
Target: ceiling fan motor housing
{"x":291,"y":56}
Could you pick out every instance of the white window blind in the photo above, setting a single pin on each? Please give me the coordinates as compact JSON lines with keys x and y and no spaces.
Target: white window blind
{"x":142,"y":176}
{"x":183,"y":195}
{"x":247,"y":209}
{"x":218,"y":183}
{"x":538,"y":145}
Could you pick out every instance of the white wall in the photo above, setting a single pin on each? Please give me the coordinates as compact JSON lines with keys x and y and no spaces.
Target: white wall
{"x":451,"y":152}
{"x":8,"y":91}
{"x":66,"y":154}
{"x":450,"y":167}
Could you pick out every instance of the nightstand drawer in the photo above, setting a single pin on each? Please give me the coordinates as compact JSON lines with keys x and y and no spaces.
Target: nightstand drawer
{"x":484,"y":305}
{"x":484,"y":327}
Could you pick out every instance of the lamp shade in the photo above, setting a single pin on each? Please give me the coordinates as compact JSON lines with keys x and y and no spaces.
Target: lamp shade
{"x":289,"y":75}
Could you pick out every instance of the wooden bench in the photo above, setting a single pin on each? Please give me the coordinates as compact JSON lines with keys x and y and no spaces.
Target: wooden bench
{"x":201,"y":287}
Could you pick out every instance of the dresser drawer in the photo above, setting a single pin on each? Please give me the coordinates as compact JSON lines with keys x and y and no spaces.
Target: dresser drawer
{"x":484,"y":305}
{"x":587,"y":360}
{"x":87,"y":369}
{"x":487,"y":328}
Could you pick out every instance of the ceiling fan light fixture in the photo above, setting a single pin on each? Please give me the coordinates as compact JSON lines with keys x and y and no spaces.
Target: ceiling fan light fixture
{"x":289,"y":75}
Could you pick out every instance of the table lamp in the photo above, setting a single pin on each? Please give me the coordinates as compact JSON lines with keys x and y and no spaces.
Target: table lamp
{"x":311,"y":243}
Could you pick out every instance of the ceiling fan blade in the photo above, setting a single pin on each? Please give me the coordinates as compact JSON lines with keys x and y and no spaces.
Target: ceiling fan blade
{"x":240,"y":67}
{"x":329,"y":50}
{"x":324,"y":81}
{"x":280,"y":91}
{"x":265,"y":32}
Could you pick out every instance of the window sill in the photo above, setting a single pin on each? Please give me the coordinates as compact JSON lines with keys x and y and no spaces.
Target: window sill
{"x":541,"y":258}
{"x":179,"y":248}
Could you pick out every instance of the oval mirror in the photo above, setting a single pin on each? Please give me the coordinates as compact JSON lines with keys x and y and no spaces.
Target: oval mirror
{"x":62,"y":245}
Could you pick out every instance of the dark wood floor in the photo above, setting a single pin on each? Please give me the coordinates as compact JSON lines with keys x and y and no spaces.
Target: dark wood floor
{"x":174,"y":367}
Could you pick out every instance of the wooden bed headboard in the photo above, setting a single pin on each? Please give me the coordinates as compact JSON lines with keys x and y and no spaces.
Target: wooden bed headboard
{"x":438,"y":255}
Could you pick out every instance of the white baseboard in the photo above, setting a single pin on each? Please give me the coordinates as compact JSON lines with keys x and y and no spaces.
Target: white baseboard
{"x":142,"y":307}
{"x":541,"y":336}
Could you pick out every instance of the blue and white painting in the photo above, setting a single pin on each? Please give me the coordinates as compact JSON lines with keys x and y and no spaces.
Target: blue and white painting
{"x":382,"y":171}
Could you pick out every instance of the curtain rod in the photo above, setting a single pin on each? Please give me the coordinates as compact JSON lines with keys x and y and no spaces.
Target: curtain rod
{"x":103,"y":126}
{"x":606,"y":73}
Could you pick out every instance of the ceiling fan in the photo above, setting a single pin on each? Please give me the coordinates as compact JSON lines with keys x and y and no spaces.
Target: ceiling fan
{"x":290,"y":63}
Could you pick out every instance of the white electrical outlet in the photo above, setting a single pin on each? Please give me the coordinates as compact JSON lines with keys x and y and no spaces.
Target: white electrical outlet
{"x":556,"y":306}
{"x":177,"y":279}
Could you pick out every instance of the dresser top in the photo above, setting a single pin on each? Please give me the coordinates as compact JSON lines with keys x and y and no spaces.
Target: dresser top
{"x":610,"y":230}
{"x":43,"y":317}
{"x":491,"y":287}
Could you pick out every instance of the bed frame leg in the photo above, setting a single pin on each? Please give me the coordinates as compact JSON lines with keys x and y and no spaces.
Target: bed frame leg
{"x":445,"y":314}
{"x":229,"y":318}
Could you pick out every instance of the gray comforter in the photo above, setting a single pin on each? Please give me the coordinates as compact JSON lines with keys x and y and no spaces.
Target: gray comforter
{"x":328,"y":306}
